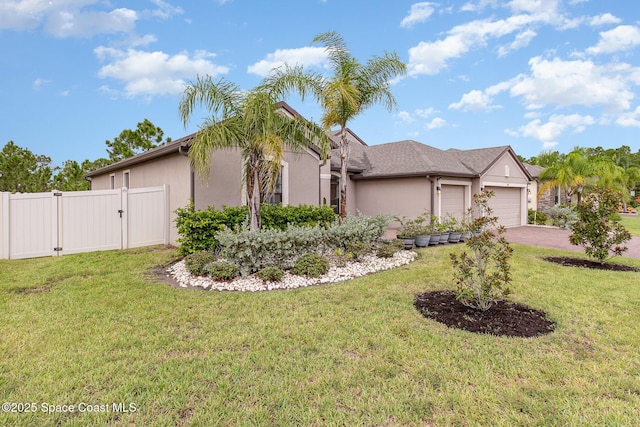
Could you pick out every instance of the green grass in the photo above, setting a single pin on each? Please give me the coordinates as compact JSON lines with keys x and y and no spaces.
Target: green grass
{"x":91,"y":328}
{"x":631,"y":223}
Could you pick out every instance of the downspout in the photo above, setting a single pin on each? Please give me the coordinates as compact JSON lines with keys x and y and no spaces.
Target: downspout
{"x":433,"y":196}
{"x":192,"y":177}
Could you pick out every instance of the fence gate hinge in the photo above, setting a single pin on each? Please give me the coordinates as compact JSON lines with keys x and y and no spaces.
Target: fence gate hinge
{"x":57,"y":194}
{"x":58,"y":249}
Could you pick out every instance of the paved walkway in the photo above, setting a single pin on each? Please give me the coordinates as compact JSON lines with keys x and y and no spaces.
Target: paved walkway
{"x":558,"y":238}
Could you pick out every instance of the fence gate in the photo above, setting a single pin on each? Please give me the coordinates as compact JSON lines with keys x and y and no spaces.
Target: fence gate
{"x":60,"y":223}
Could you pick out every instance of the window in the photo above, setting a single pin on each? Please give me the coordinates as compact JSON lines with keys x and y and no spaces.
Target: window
{"x":112,"y":181}
{"x":125,"y":179}
{"x":276,"y":196}
{"x":335,"y":194}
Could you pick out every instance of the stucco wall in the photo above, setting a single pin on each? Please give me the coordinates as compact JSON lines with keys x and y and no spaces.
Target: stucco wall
{"x":224,"y":184}
{"x":498,"y":172}
{"x":304,"y":178}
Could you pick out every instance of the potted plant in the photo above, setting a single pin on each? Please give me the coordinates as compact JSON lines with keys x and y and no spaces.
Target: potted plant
{"x":455,"y":228}
{"x":407,"y":233}
{"x":444,"y":231}
{"x":435,"y":231}
{"x":422,"y":231}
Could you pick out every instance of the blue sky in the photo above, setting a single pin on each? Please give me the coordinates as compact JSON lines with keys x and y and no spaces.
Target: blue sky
{"x":533,"y":74}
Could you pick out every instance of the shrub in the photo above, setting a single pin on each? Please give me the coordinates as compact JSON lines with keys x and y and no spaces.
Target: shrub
{"x":352,"y":231}
{"x":562,"y":216}
{"x":196,"y":262}
{"x":536,"y":217}
{"x":598,"y":229}
{"x":389,"y":247}
{"x":483,"y":274}
{"x":198,"y":229}
{"x":222,"y":270}
{"x":271,"y":274}
{"x":310,"y":265}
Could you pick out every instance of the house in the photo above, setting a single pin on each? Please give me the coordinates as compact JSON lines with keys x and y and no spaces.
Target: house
{"x":406,"y":178}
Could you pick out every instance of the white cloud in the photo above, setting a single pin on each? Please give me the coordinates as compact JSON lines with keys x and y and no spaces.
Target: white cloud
{"x":87,"y":24}
{"x":419,"y":12}
{"x":165,"y":10}
{"x":479,"y":6}
{"x":522,"y":40}
{"x":154,"y":73}
{"x":405,"y":116}
{"x":564,"y":83}
{"x":623,"y":37}
{"x":306,"y":56}
{"x":555,"y":126}
{"x":39,"y":82}
{"x":476,"y":100}
{"x":425,"y":112}
{"x":604,"y":19}
{"x":548,"y":145}
{"x":436,"y":123}
{"x":630,"y":119}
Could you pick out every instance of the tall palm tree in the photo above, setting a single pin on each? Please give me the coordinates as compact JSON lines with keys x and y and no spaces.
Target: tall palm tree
{"x":352,"y":89}
{"x":248,"y":121}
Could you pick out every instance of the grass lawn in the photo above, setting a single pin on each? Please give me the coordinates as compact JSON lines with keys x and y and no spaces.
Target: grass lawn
{"x":631,"y":223}
{"x":90,"y":328}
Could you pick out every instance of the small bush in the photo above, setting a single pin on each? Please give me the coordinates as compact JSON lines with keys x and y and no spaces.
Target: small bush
{"x":536,"y":217}
{"x":271,"y":274}
{"x":310,"y":265}
{"x":598,"y":229}
{"x":389,"y":247}
{"x":222,"y":270}
{"x":196,"y":262}
{"x":562,"y":216}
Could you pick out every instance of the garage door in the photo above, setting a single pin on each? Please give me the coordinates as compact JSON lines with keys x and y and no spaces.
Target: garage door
{"x":452,"y":199}
{"x":506,"y":205}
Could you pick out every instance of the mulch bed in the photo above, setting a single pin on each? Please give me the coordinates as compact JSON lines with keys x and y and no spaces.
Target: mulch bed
{"x":587,"y":263}
{"x":503,"y":319}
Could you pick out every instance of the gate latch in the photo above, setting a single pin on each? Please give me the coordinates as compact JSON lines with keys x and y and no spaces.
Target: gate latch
{"x":120,"y":211}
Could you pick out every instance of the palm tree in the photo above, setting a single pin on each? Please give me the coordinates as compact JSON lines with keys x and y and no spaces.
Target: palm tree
{"x":249,"y":121}
{"x":570,"y":174}
{"x":352,"y":89}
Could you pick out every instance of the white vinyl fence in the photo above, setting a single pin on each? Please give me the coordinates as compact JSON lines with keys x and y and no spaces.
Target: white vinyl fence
{"x":60,"y":223}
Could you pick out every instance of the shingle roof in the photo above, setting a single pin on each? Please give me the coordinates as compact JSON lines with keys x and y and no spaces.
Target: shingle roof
{"x":412,"y":158}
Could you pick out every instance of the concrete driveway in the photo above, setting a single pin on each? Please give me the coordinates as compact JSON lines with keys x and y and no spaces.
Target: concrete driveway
{"x":558,"y":238}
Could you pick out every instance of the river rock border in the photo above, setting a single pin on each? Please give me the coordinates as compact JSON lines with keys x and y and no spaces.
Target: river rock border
{"x":369,"y":264}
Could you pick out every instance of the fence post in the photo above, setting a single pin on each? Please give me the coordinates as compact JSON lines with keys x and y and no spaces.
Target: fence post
{"x":4,"y":225}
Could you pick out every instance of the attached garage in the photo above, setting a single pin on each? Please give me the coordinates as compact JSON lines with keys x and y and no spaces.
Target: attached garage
{"x":452,"y":200}
{"x":507,"y":205}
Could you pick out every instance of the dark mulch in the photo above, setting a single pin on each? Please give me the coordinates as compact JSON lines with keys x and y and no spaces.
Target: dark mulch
{"x":587,"y":263}
{"x":503,"y":319}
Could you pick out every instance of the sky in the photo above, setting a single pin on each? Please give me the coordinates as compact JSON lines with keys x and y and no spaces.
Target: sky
{"x":534,"y":74}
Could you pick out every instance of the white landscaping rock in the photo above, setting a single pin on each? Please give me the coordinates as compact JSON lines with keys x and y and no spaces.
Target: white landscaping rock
{"x":368,"y":264}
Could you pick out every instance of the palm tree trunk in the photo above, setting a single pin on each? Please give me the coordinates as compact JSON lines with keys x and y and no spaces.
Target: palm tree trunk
{"x":254,"y":196}
{"x":344,"y":159}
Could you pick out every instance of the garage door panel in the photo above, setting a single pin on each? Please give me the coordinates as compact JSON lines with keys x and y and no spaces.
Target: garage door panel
{"x":452,"y":200}
{"x":506,"y":204}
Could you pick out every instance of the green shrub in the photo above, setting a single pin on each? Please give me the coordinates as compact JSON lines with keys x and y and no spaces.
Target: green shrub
{"x":222,"y":270}
{"x":271,"y":274}
{"x":310,"y":265}
{"x":536,"y":217}
{"x":483,"y":274}
{"x":562,"y":216}
{"x":353,"y":231}
{"x":195,"y":263}
{"x":198,"y":229}
{"x":598,"y":229}
{"x":389,"y":247}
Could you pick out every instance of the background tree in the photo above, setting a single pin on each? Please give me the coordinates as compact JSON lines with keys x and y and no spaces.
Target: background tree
{"x":352,"y":89}
{"x":131,"y":142}
{"x":24,"y":171}
{"x":250,"y":122}
{"x":71,"y":177}
{"x":570,"y":174}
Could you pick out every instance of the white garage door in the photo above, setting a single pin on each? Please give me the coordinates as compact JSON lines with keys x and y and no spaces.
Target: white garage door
{"x":506,"y":205}
{"x":452,"y":199}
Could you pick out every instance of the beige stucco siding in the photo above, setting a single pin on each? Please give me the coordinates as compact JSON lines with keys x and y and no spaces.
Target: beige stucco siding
{"x":506,"y":171}
{"x":404,"y":197}
{"x":303,"y":179}
{"x":507,"y":174}
{"x":224,"y":184}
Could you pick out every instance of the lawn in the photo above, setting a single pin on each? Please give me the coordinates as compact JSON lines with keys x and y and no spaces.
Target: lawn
{"x":631,"y":223}
{"x":92,"y":329}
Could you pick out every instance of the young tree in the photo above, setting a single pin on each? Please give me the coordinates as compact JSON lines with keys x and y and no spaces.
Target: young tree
{"x":24,"y":171}
{"x":352,"y":89}
{"x":131,"y":142}
{"x":483,"y":274}
{"x":248,"y":121}
{"x":597,"y":229}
